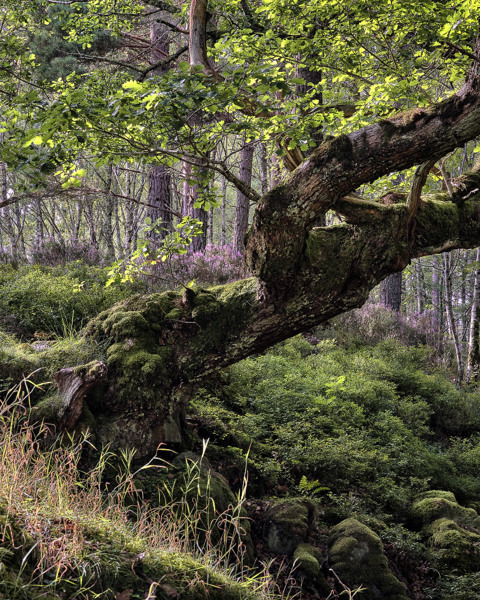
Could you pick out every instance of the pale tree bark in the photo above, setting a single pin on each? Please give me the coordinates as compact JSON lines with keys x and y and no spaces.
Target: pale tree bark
{"x":473,"y":358}
{"x":7,"y":217}
{"x":243,"y":203}
{"x":419,"y":287}
{"x":38,"y":223}
{"x":190,"y":198}
{"x":452,"y":325}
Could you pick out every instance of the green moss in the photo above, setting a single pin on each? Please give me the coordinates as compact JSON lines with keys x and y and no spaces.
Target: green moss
{"x":437,"y":221}
{"x":308,"y":559}
{"x":438,"y":505}
{"x":290,"y":521}
{"x":221,"y":312}
{"x":455,"y":547}
{"x":47,"y":409}
{"x":356,"y":555}
{"x":114,"y":560}
{"x":17,"y":360}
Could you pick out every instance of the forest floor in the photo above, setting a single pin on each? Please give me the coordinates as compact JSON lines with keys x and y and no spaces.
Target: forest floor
{"x":346,"y":458}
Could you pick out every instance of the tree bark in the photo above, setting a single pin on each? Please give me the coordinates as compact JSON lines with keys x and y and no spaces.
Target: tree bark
{"x":452,"y":325}
{"x":159,"y":198}
{"x":391,"y":292}
{"x":190,"y":197}
{"x":243,"y":203}
{"x":473,"y":358}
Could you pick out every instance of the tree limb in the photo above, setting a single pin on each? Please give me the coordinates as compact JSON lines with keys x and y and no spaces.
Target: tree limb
{"x":419,"y":180}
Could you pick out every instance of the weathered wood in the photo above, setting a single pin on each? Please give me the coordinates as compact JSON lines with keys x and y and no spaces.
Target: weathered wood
{"x":73,"y":385}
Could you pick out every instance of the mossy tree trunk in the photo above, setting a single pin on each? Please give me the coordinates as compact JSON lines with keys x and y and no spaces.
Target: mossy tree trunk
{"x":161,"y":347}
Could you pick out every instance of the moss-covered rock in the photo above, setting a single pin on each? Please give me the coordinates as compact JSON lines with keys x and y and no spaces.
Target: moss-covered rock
{"x":452,"y":531}
{"x":453,"y":546}
{"x":308,"y":561}
{"x":289,"y":523}
{"x":356,"y":555}
{"x":437,"y":504}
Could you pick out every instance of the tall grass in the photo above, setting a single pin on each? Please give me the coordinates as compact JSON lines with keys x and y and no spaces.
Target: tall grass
{"x":66,"y":529}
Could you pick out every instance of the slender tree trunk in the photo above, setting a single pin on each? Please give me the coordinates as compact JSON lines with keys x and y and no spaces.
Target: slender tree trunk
{"x":419,"y":287}
{"x":263,"y":169}
{"x":7,"y":217}
{"x":108,"y":217}
{"x":473,"y":358}
{"x":159,"y":197}
{"x":447,"y":274}
{"x":223,"y":235}
{"x":243,"y":203}
{"x":190,"y":197}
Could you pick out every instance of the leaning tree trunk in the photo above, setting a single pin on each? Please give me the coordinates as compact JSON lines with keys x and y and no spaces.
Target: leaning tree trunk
{"x":160,"y":348}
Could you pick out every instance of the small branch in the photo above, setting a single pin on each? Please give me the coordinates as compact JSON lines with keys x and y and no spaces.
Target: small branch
{"x":91,"y":191}
{"x":419,"y":180}
{"x":470,"y":55}
{"x":446,"y":179}
{"x":162,"y":63}
{"x":358,"y":210}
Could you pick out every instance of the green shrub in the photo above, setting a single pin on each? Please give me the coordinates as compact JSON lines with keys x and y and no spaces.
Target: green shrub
{"x":44,"y":302}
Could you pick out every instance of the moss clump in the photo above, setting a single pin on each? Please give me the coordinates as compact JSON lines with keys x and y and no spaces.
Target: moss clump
{"x":16,"y":360}
{"x":220,"y":313}
{"x":439,"y":504}
{"x":454,"y":547}
{"x":356,"y":555}
{"x":308,"y":559}
{"x":290,"y":521}
{"x":436,"y":221}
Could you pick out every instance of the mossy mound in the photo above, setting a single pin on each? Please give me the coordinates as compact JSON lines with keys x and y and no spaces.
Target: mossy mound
{"x":308,"y":561}
{"x":454,"y":547}
{"x":356,"y":555}
{"x":17,"y":360}
{"x":437,"y":504}
{"x":112,"y":564}
{"x":290,"y":521}
{"x":452,"y":531}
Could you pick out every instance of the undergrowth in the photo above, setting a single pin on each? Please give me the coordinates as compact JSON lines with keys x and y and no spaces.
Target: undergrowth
{"x":67,"y":532}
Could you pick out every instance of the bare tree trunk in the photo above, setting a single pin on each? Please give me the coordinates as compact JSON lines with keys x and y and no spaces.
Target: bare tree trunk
{"x":159,"y":197}
{"x":243,"y":203}
{"x":473,"y":358}
{"x":190,"y":197}
{"x":419,"y":287}
{"x":107,"y":221}
{"x":391,"y":292}
{"x":7,"y":217}
{"x":223,"y":235}
{"x":447,"y":274}
{"x":263,"y":169}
